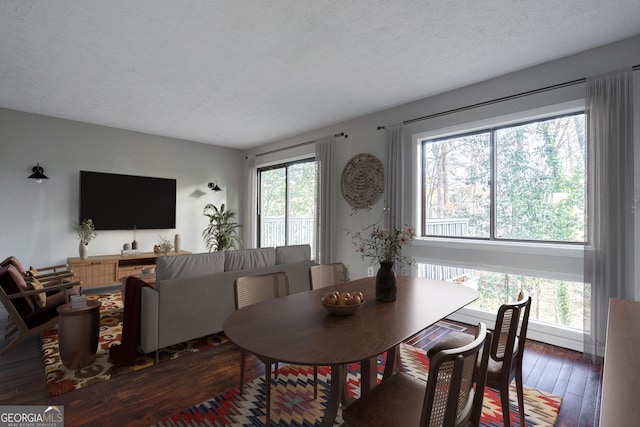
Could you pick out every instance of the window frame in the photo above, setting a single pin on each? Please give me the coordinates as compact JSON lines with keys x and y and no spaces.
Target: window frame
{"x":280,"y":165}
{"x":491,"y":130}
{"x":552,"y":261}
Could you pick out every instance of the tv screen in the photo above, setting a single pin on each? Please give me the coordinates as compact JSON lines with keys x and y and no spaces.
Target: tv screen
{"x":125,"y":202}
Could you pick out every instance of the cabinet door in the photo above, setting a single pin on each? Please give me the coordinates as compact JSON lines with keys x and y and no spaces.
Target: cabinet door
{"x":96,"y":273}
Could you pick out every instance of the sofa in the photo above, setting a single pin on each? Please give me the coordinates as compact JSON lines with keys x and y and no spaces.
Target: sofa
{"x":194,"y":293}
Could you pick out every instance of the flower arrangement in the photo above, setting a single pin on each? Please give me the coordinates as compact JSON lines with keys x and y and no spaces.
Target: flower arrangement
{"x":165,"y":246}
{"x":86,"y":230}
{"x":383,"y":245}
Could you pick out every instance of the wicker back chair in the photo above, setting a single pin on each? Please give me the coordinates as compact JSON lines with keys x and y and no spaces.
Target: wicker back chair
{"x":447,"y":399}
{"x":323,"y":275}
{"x":251,"y":290}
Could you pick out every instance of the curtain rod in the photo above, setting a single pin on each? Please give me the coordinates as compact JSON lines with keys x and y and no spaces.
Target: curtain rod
{"x":504,"y":98}
{"x":337,"y":135}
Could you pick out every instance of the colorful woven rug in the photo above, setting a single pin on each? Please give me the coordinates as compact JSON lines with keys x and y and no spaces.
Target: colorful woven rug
{"x":293,"y":404}
{"x":61,"y":380}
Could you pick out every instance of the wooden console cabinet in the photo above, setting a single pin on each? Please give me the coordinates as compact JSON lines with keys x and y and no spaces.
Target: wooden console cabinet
{"x":108,"y":269}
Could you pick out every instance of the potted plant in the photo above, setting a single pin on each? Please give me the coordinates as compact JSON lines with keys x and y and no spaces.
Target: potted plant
{"x":222,"y":231}
{"x":86,"y":232}
{"x":383,"y":246}
{"x":165,"y":246}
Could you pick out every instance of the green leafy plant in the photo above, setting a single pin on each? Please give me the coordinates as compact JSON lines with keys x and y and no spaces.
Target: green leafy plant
{"x":222,"y":232}
{"x":86,"y":231}
{"x":165,"y":246}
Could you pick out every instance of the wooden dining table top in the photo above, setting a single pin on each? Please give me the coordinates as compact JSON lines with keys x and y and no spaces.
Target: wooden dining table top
{"x":297,"y":328}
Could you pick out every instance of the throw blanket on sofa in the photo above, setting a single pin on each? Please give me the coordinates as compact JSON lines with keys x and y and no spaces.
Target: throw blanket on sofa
{"x":125,"y":354}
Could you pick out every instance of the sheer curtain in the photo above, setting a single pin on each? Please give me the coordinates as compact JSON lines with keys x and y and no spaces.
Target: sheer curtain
{"x":326,"y":200}
{"x":609,"y":256}
{"x":251,"y":219}
{"x":394,"y":176}
{"x":394,"y":179}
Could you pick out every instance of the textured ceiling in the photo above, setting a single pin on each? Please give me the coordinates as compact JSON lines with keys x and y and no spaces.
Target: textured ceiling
{"x":244,"y":73}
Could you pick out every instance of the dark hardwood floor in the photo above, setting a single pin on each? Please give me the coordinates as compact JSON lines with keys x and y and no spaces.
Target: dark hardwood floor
{"x":150,"y":395}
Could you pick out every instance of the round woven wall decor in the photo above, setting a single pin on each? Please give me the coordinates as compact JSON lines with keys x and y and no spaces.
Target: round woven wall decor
{"x":362,"y":180}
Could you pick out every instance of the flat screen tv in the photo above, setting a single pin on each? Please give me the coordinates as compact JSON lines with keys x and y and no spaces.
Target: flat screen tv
{"x":125,"y":202}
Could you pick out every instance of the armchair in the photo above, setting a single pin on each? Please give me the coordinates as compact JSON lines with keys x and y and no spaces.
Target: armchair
{"x":30,"y":311}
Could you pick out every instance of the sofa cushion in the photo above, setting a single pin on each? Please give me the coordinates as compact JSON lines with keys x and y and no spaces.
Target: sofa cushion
{"x":190,"y":265}
{"x":246,"y":259}
{"x":293,"y":253}
{"x":13,"y":282}
{"x":13,"y":261}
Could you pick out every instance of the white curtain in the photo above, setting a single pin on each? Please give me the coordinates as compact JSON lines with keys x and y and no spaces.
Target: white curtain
{"x":251,"y":220}
{"x":609,"y":255}
{"x":326,"y":201}
{"x":394,"y":177}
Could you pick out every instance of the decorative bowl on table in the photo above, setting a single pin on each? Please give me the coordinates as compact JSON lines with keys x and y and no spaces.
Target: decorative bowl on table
{"x":341,"y":304}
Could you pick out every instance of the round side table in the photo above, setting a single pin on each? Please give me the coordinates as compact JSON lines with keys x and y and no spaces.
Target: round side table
{"x":78,"y":333}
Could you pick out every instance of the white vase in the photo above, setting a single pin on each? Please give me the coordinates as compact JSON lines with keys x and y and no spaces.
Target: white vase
{"x":176,"y":243}
{"x":83,"y":250}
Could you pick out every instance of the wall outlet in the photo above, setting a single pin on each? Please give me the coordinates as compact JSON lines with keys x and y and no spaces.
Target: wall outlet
{"x":370,"y":271}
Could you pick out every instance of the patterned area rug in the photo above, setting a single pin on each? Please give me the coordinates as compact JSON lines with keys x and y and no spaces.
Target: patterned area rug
{"x":293,"y":404}
{"x":61,"y":380}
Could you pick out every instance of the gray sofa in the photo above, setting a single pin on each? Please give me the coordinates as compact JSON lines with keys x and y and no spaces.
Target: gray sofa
{"x":194,"y":293}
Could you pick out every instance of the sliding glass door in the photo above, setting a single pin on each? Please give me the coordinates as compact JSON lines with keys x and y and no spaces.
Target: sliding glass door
{"x":287,"y":204}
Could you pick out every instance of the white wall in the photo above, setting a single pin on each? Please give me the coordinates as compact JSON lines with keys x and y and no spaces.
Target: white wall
{"x":364,"y":137}
{"x":36,"y":219}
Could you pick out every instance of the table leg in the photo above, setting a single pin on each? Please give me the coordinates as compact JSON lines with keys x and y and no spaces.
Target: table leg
{"x":392,"y":365}
{"x":368,"y":375}
{"x":337,"y":393}
{"x":267,"y":391}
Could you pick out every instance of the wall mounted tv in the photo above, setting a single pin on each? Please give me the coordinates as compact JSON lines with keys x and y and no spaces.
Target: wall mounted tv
{"x":122,"y":202}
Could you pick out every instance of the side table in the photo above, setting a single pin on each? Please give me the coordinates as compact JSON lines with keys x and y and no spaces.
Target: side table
{"x":78,"y":334}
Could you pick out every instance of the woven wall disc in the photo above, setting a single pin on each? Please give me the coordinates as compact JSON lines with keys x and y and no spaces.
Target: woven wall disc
{"x":362,"y":180}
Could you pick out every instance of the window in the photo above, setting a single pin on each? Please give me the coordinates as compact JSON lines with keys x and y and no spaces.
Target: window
{"x":523,"y":182}
{"x":553,"y":302}
{"x":287,"y":204}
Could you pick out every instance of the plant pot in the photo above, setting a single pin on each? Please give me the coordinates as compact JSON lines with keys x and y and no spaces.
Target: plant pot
{"x":386,"y":283}
{"x":83,"y":250}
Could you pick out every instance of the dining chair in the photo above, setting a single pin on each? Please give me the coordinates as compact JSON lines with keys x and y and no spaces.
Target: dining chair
{"x":324,"y":275}
{"x":448,"y":398}
{"x":507,"y":352}
{"x":251,"y":290}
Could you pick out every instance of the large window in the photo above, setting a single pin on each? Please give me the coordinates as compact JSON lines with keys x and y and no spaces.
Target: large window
{"x":287,"y":204}
{"x":554,"y":302}
{"x":523,"y":182}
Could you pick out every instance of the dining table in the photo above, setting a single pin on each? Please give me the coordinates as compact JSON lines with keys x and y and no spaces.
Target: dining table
{"x":297,"y":329}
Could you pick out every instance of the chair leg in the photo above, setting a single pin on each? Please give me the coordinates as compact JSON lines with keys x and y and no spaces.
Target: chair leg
{"x":520,"y":394}
{"x":506,"y":411}
{"x":243,"y":357}
{"x":315,"y":382}
{"x":267,"y":391}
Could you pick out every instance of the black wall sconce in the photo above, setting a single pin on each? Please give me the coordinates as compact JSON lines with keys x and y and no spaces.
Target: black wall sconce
{"x":38,"y":174}
{"x":214,"y":186}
